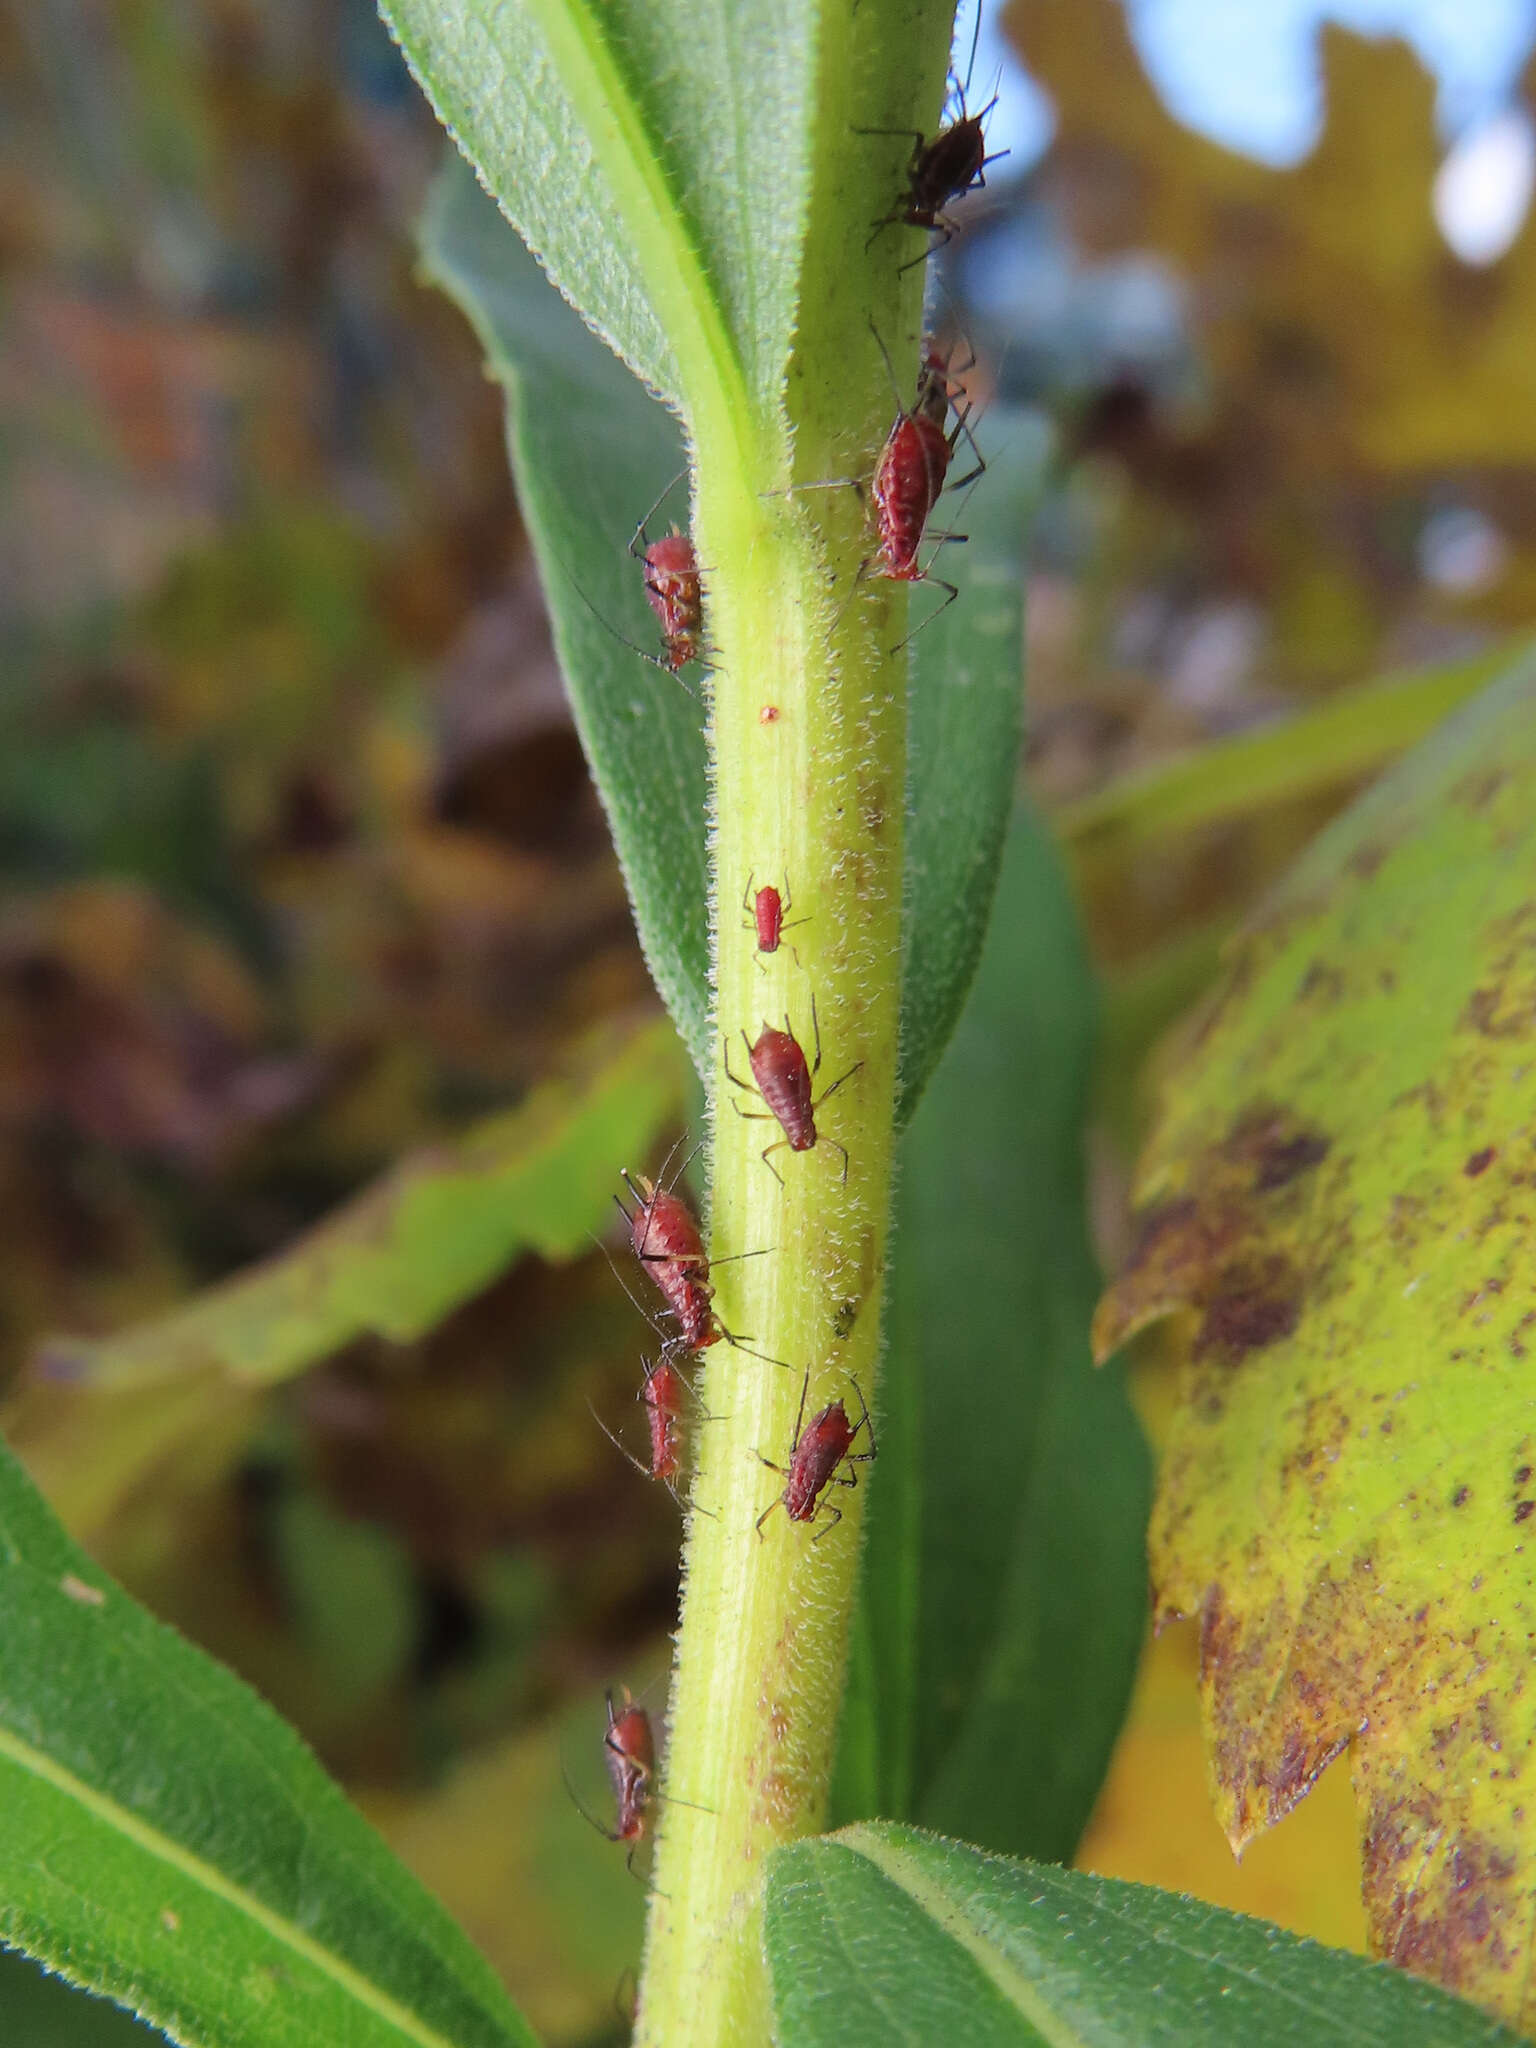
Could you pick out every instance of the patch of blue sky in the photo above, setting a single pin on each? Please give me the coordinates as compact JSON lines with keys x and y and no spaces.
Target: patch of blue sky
{"x":1245,"y":72}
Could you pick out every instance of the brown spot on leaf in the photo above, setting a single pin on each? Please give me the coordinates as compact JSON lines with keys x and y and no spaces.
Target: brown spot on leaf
{"x":1523,"y":1509}
{"x":1461,"y":1496}
{"x":1480,"y":1161}
{"x":1522,"y":1474}
{"x":1254,"y":1308}
{"x":1438,"y":1904}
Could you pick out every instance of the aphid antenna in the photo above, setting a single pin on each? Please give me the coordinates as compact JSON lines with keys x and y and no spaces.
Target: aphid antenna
{"x":655,"y":660}
{"x":951,"y":593}
{"x":661,"y":1336}
{"x":625,"y":1452}
{"x":662,"y":496}
{"x":970,"y":67}
{"x":591,"y":1819}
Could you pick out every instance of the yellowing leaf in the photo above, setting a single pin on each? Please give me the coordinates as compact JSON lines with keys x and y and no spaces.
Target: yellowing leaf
{"x":1336,"y":1202}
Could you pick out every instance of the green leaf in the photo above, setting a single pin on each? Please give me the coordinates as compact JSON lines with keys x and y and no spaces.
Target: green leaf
{"x":169,"y":1842}
{"x":684,"y":129}
{"x":590,"y":453}
{"x":1335,"y":1203}
{"x":438,"y":1228}
{"x":966,"y":708}
{"x":1005,"y":1589}
{"x":1350,"y":736}
{"x":884,"y":1936}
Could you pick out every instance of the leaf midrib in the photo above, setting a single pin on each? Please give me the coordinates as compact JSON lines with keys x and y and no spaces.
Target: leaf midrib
{"x":901,"y":1871}
{"x":128,"y":1825}
{"x":709,"y":367}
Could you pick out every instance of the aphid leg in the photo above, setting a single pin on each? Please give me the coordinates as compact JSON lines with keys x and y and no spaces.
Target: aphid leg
{"x":823,"y":1139}
{"x":945,"y":230}
{"x":608,"y":1834}
{"x":778,"y":1146}
{"x":826,"y":1093}
{"x":837,"y":1516}
{"x":864,"y":1423}
{"x":953,"y":593}
{"x":623,"y":1451}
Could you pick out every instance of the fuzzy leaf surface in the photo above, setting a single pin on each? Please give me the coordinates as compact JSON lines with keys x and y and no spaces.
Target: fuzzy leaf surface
{"x":590,"y":453}
{"x":1004,"y":1596}
{"x":170,"y":1842}
{"x":1335,"y":1202}
{"x":649,"y":124}
{"x":966,"y":719}
{"x":883,"y":1935}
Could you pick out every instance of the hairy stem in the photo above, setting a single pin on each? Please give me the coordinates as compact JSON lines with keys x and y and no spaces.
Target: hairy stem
{"x":809,"y":764}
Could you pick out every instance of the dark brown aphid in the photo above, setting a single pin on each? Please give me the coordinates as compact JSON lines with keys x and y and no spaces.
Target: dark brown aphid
{"x":942,"y":168}
{"x":824,"y":1443}
{"x":784,"y":1081}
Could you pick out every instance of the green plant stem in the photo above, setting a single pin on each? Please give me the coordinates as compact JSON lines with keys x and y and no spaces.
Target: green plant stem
{"x":808,"y":753}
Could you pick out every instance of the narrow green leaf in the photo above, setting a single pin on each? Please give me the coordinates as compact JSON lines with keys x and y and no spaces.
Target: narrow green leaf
{"x":434,"y":1231}
{"x":1005,"y":1588}
{"x":169,"y":1842}
{"x":591,"y":452}
{"x":1336,"y":744}
{"x":887,"y":1936}
{"x":963,"y":745}
{"x":684,"y":129}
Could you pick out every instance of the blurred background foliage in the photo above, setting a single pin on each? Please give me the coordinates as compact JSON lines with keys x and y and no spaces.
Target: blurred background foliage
{"x":300,"y":870}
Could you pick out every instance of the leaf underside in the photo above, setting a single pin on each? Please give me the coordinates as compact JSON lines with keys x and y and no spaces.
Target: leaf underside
{"x":883,"y":1935}
{"x":1336,"y":1202}
{"x":1004,"y":1591}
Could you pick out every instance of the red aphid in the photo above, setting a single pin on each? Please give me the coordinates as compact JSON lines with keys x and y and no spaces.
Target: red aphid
{"x":666,"y":1239}
{"x":819,"y":1448}
{"x":629,"y":1748}
{"x":784,"y":1079}
{"x":912,"y":471}
{"x":766,"y":914}
{"x":673,"y":591}
{"x":663,"y":1397}
{"x":768,"y":908}
{"x":662,"y":1392}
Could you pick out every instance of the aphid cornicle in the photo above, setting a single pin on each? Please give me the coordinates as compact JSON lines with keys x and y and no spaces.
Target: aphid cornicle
{"x":824,"y":1443}
{"x":782,"y":1077}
